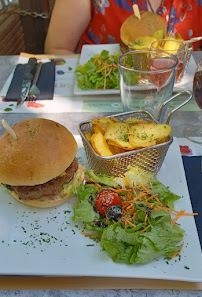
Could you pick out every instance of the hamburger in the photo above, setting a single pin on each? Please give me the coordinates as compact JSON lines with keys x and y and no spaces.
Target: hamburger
{"x":150,"y":25}
{"x":39,"y":167}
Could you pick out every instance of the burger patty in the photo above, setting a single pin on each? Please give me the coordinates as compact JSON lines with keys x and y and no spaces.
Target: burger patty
{"x":52,"y":187}
{"x":123,"y":47}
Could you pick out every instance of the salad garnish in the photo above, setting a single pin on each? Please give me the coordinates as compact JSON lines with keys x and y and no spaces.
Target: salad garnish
{"x":132,"y":216}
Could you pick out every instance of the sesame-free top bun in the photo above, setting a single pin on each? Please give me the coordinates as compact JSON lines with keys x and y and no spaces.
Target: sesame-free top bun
{"x":132,"y":27}
{"x":42,"y":151}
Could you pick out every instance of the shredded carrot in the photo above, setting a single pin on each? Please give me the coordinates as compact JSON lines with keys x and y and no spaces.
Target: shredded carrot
{"x":124,"y":212}
{"x":146,"y":216}
{"x":96,"y":59}
{"x":182,"y":213}
{"x":135,"y":215}
{"x":126,"y":203}
{"x":178,"y":216}
{"x":150,"y":204}
{"x":91,"y":180}
{"x":92,"y":235}
{"x":129,"y":196}
{"x":144,"y":187}
{"x":128,"y":183}
{"x":156,"y":199}
{"x":151,"y":197}
{"x":145,"y":228}
{"x":158,"y":207}
{"x":176,"y":254}
{"x":110,"y":70}
{"x":132,"y":209}
{"x":127,"y":221}
{"x":103,"y":68}
{"x":141,"y":195}
{"x":122,"y":190}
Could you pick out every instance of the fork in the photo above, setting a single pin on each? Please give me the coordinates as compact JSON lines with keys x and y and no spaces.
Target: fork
{"x":34,"y":91}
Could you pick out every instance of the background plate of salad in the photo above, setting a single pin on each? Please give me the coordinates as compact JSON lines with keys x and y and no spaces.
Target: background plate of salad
{"x":49,"y":242}
{"x":97,"y":73}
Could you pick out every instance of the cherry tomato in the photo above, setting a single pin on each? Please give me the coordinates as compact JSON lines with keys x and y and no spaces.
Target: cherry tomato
{"x":105,"y":199}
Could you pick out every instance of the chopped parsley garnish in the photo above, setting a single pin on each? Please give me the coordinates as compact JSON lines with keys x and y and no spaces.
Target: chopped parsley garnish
{"x":186,"y":267}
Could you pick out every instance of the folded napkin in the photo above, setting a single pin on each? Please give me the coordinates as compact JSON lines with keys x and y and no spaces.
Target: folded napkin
{"x":46,"y":82}
{"x":193,"y":174}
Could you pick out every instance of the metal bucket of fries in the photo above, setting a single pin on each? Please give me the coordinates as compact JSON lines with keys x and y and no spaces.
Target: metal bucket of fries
{"x":149,"y":159}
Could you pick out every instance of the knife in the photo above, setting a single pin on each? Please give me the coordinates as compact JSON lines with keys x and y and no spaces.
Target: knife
{"x":27,"y":80}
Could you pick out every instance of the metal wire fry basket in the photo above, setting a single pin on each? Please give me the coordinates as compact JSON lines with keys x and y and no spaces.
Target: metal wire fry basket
{"x":148,"y":159}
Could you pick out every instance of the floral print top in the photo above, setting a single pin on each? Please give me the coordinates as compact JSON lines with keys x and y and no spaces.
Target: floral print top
{"x":182,"y":16}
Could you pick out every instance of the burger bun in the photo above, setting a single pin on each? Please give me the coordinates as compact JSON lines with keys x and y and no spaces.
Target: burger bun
{"x":149,"y":23}
{"x":42,"y":151}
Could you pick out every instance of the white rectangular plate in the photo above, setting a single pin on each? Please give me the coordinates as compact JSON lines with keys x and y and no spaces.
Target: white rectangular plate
{"x":89,"y":50}
{"x":46,"y":242}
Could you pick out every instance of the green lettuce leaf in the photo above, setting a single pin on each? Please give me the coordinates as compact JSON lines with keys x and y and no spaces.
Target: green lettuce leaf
{"x":116,"y":233}
{"x":85,"y":191}
{"x":135,"y":176}
{"x":159,"y":216}
{"x":72,"y":186}
{"x":160,"y":241}
{"x":164,"y":193}
{"x":132,"y":174}
{"x":84,"y":212}
{"x":123,"y":246}
{"x":111,"y":181}
{"x":120,"y":245}
{"x":164,"y":235}
{"x":120,"y":252}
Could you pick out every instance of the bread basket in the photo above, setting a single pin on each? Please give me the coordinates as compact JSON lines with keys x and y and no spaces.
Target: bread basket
{"x":148,"y":159}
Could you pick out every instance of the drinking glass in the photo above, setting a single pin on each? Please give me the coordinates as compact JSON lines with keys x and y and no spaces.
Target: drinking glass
{"x":176,"y":48}
{"x":194,"y":133}
{"x":146,"y":79}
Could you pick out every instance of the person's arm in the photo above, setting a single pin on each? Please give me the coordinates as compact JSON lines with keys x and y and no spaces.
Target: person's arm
{"x":69,"y":20}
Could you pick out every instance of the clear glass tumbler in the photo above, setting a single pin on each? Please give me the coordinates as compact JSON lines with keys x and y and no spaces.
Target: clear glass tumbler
{"x":146,"y":79}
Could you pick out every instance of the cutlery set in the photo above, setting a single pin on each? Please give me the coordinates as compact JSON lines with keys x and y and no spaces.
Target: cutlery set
{"x":29,"y":88}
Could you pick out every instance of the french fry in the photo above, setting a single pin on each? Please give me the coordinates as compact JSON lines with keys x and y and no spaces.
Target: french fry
{"x":110,"y":137}
{"x":97,"y":129}
{"x":117,"y":134}
{"x":88,"y":136}
{"x":115,"y":149}
{"x":101,"y":124}
{"x":113,"y":119}
{"x":162,"y":140}
{"x":134,"y":121}
{"x":146,"y":135}
{"x":100,"y":145}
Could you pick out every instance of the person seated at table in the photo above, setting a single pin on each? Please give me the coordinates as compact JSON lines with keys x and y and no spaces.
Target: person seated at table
{"x":75,"y":23}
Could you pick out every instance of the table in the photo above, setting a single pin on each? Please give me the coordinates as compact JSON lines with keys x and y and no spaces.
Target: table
{"x":180,"y":118}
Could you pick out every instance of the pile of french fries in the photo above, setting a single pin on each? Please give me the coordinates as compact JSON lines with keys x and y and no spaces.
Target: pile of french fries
{"x":109,"y":137}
